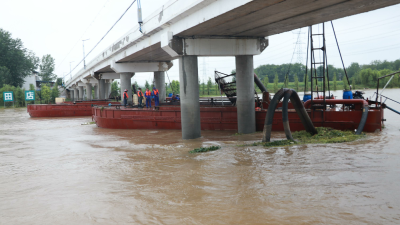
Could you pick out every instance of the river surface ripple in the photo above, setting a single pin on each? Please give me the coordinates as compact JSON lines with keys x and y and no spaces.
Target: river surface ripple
{"x":57,"y":171}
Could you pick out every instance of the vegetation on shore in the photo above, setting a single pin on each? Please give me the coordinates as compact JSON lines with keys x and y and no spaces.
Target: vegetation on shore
{"x":18,"y":62}
{"x":325,"y":135}
{"x":274,"y":77}
{"x":44,"y":96}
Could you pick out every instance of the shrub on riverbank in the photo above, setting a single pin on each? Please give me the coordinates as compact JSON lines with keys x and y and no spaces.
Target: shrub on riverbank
{"x":19,"y":95}
{"x":45,"y":96}
{"x":325,"y":135}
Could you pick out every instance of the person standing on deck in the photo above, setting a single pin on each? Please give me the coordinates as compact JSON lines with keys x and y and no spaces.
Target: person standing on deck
{"x":156,"y":97}
{"x":147,"y":94}
{"x":126,"y":97}
{"x":140,"y":97}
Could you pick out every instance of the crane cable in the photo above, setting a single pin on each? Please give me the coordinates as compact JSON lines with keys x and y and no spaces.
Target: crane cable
{"x":337,"y":43}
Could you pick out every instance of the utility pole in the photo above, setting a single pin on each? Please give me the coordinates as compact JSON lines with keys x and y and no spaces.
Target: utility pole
{"x":83,"y":46}
{"x":70,"y":71}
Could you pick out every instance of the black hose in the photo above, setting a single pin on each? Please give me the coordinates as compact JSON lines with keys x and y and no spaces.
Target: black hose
{"x":302,"y":113}
{"x":285,"y":116}
{"x":363,"y":120}
{"x":297,"y":104}
{"x":270,"y":115}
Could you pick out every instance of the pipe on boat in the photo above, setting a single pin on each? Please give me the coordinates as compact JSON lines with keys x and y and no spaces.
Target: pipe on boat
{"x":391,"y":109}
{"x":285,"y":115}
{"x":363,"y":120}
{"x":259,"y":84}
{"x":361,"y":102}
{"x":270,"y":115}
{"x":300,"y":110}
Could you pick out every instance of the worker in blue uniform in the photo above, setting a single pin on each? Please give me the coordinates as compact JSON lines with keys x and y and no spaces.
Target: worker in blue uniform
{"x":156,"y":97}
{"x":147,"y":94}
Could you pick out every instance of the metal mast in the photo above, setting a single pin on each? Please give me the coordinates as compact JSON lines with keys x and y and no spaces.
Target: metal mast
{"x":321,"y":65}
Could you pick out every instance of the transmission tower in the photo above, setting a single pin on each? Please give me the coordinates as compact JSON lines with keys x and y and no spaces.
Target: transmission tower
{"x":298,"y":37}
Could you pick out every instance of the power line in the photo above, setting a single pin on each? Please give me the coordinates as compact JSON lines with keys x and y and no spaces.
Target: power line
{"x":369,"y":25}
{"x":369,"y":38}
{"x":105,"y":34}
{"x":286,"y":77}
{"x":73,"y":47}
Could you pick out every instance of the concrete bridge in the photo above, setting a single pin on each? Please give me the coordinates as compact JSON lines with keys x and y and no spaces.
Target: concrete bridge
{"x":186,"y":29}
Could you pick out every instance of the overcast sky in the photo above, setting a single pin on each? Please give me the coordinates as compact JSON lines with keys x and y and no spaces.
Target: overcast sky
{"x":58,"y":28}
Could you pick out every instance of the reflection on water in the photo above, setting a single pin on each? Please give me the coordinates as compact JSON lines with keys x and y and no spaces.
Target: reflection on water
{"x":57,"y":171}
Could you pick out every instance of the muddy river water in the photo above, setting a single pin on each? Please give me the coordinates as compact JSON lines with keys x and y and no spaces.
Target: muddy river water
{"x":57,"y":171}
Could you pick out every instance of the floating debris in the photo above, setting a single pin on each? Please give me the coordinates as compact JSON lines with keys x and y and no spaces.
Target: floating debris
{"x":208,"y":149}
{"x":88,"y":123}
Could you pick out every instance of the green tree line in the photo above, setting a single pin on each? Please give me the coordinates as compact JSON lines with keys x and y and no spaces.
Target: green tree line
{"x":17,"y":62}
{"x":273,"y":78}
{"x":299,"y":70}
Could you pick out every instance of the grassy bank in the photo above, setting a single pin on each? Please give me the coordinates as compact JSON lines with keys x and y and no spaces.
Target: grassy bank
{"x":11,"y":107}
{"x":325,"y":136}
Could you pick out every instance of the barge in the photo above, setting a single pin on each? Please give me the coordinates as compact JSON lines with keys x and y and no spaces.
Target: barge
{"x":66,"y":109}
{"x":225,"y":117}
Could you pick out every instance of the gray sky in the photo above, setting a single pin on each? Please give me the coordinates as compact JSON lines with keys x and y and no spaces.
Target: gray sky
{"x":57,"y":27}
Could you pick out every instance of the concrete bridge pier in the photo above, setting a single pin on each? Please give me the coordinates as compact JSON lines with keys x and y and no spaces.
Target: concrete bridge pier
{"x":88,"y":91}
{"x":189,"y":94}
{"x":96,"y":91}
{"x":71,"y":94}
{"x":159,"y":80}
{"x":80,"y":88}
{"x":125,"y":83}
{"x":188,"y":49}
{"x":246,"y":114}
{"x":102,"y":87}
{"x":76,"y":94}
{"x":127,"y":70}
{"x":107,"y":89}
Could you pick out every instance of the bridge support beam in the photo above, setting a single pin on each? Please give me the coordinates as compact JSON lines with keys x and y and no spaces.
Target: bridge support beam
{"x":102,"y":86}
{"x":80,"y":88}
{"x":189,"y":94}
{"x":246,"y":115}
{"x":125,"y":82}
{"x":159,"y":80}
{"x":88,"y":91}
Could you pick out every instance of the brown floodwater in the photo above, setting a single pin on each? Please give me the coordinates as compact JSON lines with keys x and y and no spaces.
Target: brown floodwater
{"x":57,"y":171}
